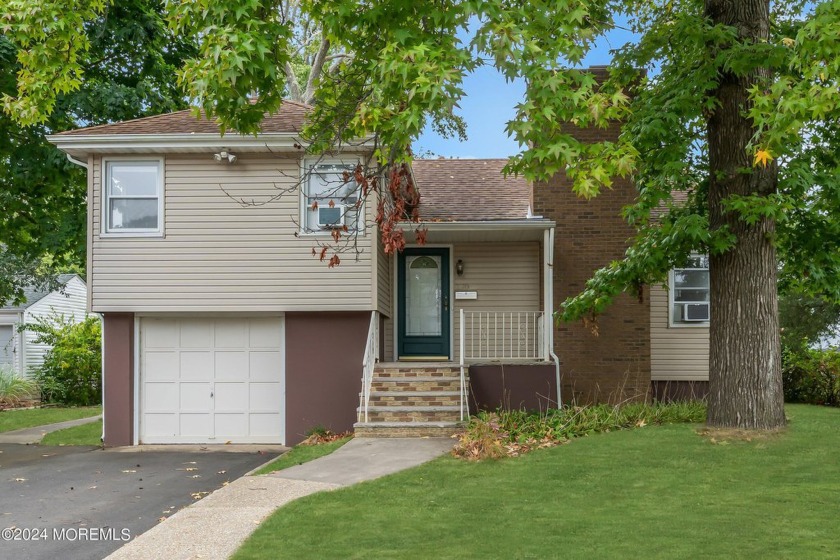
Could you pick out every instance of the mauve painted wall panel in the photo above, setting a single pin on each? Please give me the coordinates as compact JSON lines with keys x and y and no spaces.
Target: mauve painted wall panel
{"x":513,"y":387}
{"x":118,"y":332}
{"x":324,"y":354}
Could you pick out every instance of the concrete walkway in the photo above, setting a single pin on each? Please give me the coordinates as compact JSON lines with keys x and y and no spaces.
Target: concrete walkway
{"x":214,"y":527}
{"x":36,"y":434}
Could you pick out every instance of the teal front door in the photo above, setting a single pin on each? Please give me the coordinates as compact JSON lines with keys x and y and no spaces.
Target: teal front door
{"x":423,"y":291}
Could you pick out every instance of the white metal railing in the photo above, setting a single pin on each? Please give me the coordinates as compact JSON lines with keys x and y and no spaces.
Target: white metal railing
{"x":368,"y":363}
{"x":502,"y":335}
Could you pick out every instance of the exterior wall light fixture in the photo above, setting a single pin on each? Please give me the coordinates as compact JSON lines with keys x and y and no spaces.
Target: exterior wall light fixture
{"x":224,"y":157}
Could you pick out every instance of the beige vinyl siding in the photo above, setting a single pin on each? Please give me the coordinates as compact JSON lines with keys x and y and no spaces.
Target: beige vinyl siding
{"x":218,"y":254}
{"x":71,"y":306}
{"x":383,"y":280}
{"x":506,"y":277}
{"x":676,"y":353}
{"x":390,"y":324}
{"x":385,"y":297}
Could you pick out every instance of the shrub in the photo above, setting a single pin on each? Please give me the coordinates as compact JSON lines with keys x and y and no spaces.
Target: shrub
{"x":811,"y":376}
{"x":72,"y":369}
{"x":511,"y":433}
{"x":14,"y":388}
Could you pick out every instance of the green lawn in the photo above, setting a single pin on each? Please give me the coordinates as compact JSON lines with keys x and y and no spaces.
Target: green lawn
{"x":86,"y":434}
{"x":654,"y":492}
{"x":29,"y":418}
{"x":302,"y":454}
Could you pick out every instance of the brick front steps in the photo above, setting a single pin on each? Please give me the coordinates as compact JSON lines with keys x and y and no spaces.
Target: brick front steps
{"x":413,"y":400}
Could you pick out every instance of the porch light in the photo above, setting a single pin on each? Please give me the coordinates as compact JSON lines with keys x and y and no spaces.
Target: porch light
{"x":459,"y":267}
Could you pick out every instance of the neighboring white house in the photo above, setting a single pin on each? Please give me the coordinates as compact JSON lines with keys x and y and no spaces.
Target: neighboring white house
{"x":20,"y":349}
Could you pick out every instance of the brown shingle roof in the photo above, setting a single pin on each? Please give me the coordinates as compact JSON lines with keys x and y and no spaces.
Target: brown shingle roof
{"x":290,"y":118}
{"x":469,"y":190}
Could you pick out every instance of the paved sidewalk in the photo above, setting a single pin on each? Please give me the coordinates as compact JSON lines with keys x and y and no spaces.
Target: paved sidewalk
{"x":214,"y":527}
{"x":368,"y":458}
{"x":36,"y":434}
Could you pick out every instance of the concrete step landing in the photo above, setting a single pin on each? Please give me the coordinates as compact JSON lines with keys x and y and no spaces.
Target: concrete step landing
{"x":413,"y":400}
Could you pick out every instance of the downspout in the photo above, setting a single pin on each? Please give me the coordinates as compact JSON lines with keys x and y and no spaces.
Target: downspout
{"x":81,"y":163}
{"x":550,"y":312}
{"x":102,"y":373}
{"x":78,"y":162}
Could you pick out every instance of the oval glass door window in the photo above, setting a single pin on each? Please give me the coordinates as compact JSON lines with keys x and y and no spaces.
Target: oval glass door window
{"x":423,"y":296}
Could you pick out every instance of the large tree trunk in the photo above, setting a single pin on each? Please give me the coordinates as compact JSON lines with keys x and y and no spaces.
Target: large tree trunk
{"x":745,"y":379}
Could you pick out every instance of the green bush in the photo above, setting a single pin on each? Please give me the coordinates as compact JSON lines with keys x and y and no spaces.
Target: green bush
{"x":72,"y":370}
{"x":15,"y":388}
{"x":512,"y":432}
{"x":811,"y":376}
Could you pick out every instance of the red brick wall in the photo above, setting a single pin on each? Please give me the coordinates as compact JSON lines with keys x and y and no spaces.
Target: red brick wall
{"x":613,"y":365}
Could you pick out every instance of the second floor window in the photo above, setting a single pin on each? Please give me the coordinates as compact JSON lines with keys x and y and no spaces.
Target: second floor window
{"x":330,"y":201}
{"x":690,"y":292}
{"x":133,"y":196}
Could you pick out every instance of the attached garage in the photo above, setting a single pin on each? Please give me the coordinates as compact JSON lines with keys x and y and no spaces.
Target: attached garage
{"x":211,"y":380}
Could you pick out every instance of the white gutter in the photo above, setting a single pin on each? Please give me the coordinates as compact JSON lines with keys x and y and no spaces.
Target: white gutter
{"x":484,"y":225}
{"x":78,"y":162}
{"x":92,"y":143}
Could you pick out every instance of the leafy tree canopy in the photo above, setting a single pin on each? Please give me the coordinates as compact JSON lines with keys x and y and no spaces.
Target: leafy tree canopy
{"x":407,"y":69}
{"x":122,"y":60}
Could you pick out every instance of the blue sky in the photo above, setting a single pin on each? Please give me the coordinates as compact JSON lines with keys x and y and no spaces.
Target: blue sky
{"x":489,"y":104}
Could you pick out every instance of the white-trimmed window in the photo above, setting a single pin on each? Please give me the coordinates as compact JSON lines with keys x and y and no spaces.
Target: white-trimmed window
{"x":689,"y":292}
{"x":330,"y":200}
{"x":133,"y":196}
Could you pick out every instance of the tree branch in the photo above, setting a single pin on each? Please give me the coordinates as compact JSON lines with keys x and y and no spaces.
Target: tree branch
{"x":291,"y":83}
{"x":315,"y":72}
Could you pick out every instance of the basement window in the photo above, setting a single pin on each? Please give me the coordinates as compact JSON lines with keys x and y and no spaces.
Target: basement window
{"x":689,"y":293}
{"x":133,"y":197}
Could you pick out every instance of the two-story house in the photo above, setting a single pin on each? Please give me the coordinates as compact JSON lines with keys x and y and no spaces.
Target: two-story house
{"x":220,"y":325}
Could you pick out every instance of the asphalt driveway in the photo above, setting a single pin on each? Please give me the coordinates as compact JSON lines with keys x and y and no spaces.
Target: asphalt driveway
{"x":84,"y":503}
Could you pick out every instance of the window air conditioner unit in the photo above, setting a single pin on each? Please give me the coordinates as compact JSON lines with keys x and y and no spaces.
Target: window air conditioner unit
{"x":331,"y":218}
{"x":696,"y":311}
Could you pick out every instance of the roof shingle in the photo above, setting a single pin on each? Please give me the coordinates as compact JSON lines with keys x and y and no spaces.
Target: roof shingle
{"x":289,"y":118}
{"x":453,"y":190}
{"x":33,"y":294}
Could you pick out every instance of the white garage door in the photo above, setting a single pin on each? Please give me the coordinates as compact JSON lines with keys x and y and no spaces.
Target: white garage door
{"x":213,"y":380}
